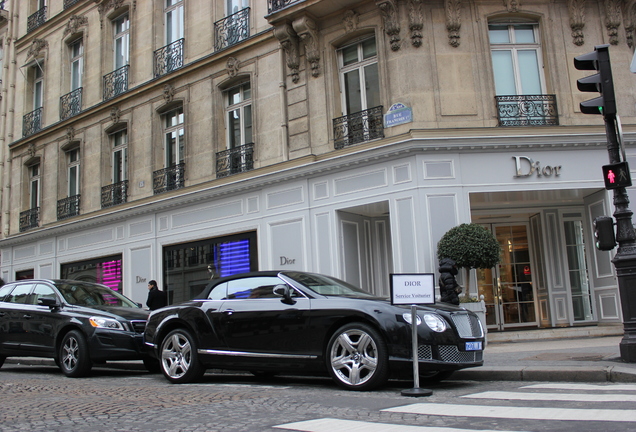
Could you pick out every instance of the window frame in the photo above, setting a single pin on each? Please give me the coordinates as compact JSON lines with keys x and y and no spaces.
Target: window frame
{"x":119,"y":148}
{"x":124,"y":37}
{"x":168,"y":132}
{"x":171,"y":7}
{"x":37,"y":97}
{"x":361,"y":64}
{"x":76,"y":63}
{"x":35,"y":176}
{"x":240,"y":106}
{"x":73,"y":171}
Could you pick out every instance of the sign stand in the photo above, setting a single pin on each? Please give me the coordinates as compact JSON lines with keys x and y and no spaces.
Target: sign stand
{"x":414,"y":289}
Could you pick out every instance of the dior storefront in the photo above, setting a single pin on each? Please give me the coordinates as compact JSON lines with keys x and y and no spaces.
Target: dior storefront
{"x":364,"y":215}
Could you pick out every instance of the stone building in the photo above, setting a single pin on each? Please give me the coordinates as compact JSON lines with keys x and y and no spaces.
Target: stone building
{"x":181,"y":140}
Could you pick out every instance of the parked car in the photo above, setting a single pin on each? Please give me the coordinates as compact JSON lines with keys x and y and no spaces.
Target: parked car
{"x":271,"y":322}
{"x":75,"y":323}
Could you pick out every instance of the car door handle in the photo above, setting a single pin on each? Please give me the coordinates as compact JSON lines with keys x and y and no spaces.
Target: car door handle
{"x":2,"y":314}
{"x":27,"y":316}
{"x":228,"y":311}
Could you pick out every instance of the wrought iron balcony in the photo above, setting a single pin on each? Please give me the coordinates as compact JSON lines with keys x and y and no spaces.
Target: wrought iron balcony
{"x":71,"y":104}
{"x":232,"y":29}
{"x":114,"y":194}
{"x":116,"y":82}
{"x":358,"y":127}
{"x":29,"y":219}
{"x":32,"y":122}
{"x":69,"y":3}
{"x":235,"y":160}
{"x":527,"y":110}
{"x":276,"y":5}
{"x":68,"y":207}
{"x":169,"y":58}
{"x":36,"y":20}
{"x":168,"y":179}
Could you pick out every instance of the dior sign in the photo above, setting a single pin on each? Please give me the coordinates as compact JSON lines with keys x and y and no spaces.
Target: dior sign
{"x":526,"y":167}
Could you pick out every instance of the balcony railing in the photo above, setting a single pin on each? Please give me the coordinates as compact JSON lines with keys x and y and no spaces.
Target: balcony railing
{"x":29,"y":219}
{"x":68,"y":207}
{"x":232,"y":29}
{"x":114,"y":194}
{"x":169,"y":58}
{"x":527,"y":110}
{"x":69,"y":3}
{"x":358,"y":127}
{"x":276,"y":5}
{"x":36,"y":20}
{"x":116,"y":82}
{"x":235,"y":160}
{"x":32,"y":122}
{"x":168,"y":179}
{"x":71,"y":104}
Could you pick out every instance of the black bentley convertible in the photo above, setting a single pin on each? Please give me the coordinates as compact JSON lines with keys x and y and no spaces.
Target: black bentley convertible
{"x":271,"y":322}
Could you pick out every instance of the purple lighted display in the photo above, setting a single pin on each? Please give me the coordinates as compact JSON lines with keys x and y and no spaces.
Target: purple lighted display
{"x":109,"y":274}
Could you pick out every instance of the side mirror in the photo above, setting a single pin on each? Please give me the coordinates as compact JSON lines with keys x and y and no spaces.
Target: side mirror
{"x":48,"y":301}
{"x":285,"y":292}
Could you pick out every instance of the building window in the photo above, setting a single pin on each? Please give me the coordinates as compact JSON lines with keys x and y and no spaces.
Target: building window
{"x":170,"y":57}
{"x":106,"y":271}
{"x":71,"y":103}
{"x":174,"y":20}
{"x":235,"y":27}
{"x":519,"y":81}
{"x":38,"y":17}
{"x":240,"y":148}
{"x":360,"y":89}
{"x":32,"y":122}
{"x":69,"y":206}
{"x":121,"y":43}
{"x":31,"y":217}
{"x":172,"y":176}
{"x":117,"y":192}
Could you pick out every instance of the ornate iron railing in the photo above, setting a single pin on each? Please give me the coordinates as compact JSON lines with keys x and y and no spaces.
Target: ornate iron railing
{"x":169,"y":58}
{"x":168,"y":179}
{"x":116,"y":82}
{"x":114,"y":194}
{"x":235,"y":160}
{"x":32,"y":122}
{"x":69,"y":3}
{"x":527,"y":110}
{"x":71,"y":104}
{"x":358,"y":127}
{"x":36,"y":20}
{"x":68,"y":207}
{"x":29,"y":219}
{"x":275,"y":5}
{"x":2,"y":2}
{"x":232,"y":29}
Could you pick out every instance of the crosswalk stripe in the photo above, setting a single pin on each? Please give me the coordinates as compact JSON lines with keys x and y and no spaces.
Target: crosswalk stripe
{"x":526,"y":413}
{"x":576,"y":386}
{"x":575,"y":397}
{"x":336,"y":425}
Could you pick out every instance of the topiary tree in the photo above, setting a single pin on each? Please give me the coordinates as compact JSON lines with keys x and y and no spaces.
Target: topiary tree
{"x":471,"y":246}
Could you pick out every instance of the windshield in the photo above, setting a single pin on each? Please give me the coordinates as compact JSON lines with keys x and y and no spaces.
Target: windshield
{"x":327,"y":285}
{"x":84,"y":294}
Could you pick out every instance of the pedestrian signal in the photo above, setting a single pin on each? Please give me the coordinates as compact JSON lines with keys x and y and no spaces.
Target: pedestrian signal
{"x":604,"y":233}
{"x":617,"y":175}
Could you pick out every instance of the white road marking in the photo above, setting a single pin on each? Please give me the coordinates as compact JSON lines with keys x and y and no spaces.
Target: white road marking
{"x":575,"y":386}
{"x":527,"y":413}
{"x":336,"y":425}
{"x":575,"y":397}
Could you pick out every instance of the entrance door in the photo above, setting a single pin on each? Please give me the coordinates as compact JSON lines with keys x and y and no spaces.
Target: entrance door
{"x":508,"y":289}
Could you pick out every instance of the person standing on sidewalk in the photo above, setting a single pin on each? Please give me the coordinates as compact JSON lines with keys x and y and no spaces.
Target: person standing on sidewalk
{"x":156,"y":298}
{"x":449,"y":289}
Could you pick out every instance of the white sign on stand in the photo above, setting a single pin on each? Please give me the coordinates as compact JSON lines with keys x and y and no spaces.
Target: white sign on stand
{"x":413,"y":289}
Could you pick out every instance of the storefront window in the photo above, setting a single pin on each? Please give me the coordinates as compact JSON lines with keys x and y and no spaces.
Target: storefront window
{"x":24,"y":274}
{"x":188,"y":267}
{"x":106,"y":270}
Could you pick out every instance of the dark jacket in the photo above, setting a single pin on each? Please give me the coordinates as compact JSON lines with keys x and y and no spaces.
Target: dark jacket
{"x":449,"y":289}
{"x":156,"y":299}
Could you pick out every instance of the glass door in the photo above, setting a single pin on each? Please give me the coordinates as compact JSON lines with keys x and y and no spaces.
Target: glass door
{"x":508,"y":289}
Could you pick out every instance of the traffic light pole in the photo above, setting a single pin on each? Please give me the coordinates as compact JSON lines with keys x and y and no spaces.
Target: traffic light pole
{"x":625,"y":258}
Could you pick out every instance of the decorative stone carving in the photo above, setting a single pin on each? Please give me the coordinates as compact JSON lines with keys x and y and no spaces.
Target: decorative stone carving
{"x":115,"y":114}
{"x":70,"y":134}
{"x":389,"y":11}
{"x":107,"y":5}
{"x":612,"y":19}
{"x":305,"y":28}
{"x":512,"y":5}
{"x":289,"y":42}
{"x":416,"y":22}
{"x":350,"y":21}
{"x":576,"y":10}
{"x":168,"y":93}
{"x":37,"y":46}
{"x":31,"y":150}
{"x":75,"y":22}
{"x":630,"y":22}
{"x":232,"y":66}
{"x":453,"y":20}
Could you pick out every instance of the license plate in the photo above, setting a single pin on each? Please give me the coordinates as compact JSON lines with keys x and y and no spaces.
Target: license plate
{"x":473,"y":346}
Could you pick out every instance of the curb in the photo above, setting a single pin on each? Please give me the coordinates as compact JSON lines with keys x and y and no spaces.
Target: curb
{"x":547,"y":373}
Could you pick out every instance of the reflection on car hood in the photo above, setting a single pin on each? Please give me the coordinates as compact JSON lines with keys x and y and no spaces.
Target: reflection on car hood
{"x":116,"y":311}
{"x":447,"y":307}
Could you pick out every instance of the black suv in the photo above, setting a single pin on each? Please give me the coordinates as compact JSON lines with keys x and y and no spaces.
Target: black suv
{"x":75,"y":323}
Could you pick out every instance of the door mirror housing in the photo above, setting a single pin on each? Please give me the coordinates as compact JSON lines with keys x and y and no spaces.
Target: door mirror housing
{"x":48,"y":301}
{"x":285,"y":292}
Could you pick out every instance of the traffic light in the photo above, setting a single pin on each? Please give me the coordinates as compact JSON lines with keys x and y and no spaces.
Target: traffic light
{"x":617,"y":175}
{"x":601,"y":82}
{"x":604,"y":233}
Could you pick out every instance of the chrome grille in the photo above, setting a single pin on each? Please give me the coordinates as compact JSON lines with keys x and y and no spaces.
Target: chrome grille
{"x":425,"y":352}
{"x":138,"y":326}
{"x":467,"y":325}
{"x":451,"y":354}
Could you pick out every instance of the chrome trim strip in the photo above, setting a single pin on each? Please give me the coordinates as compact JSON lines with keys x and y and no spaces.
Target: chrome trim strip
{"x":251,"y":354}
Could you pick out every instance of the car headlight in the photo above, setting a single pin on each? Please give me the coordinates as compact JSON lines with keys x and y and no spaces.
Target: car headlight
{"x":107,"y":323}
{"x":435,"y":322}
{"x":408,"y":317}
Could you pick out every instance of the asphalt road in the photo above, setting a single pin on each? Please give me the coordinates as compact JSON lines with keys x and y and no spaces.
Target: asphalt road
{"x":40,"y":398}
